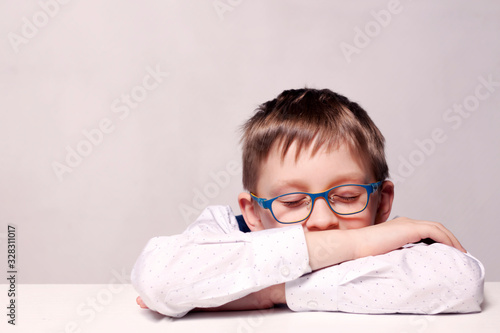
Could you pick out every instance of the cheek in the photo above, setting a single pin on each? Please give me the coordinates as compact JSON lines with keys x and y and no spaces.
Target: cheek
{"x":268,"y":220}
{"x":367,"y":217}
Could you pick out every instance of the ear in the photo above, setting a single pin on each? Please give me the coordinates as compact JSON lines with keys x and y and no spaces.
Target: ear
{"x":249,"y":210}
{"x":385,"y":203}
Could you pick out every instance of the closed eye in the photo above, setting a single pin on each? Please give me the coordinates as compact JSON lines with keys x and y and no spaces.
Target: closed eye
{"x":344,"y":199}
{"x":293,"y":203}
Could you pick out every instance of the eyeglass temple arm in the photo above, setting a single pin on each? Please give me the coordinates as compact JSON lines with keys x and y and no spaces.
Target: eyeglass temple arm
{"x":260,"y":201}
{"x":375,"y":186}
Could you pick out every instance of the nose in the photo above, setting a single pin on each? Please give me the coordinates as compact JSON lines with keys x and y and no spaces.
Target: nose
{"x":322,"y":217}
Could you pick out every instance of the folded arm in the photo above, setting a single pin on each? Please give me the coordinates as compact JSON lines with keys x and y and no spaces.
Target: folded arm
{"x":213,"y":266}
{"x":377,"y":270}
{"x":418,"y":279}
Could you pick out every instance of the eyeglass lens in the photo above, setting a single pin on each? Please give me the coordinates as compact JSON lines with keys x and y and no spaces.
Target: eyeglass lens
{"x":344,"y":200}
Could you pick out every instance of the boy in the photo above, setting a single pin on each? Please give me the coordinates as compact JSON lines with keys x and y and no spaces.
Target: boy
{"x":318,"y":198}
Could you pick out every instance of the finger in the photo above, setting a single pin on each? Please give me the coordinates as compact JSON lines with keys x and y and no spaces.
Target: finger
{"x":140,"y":302}
{"x":455,"y":242}
{"x":442,"y":235}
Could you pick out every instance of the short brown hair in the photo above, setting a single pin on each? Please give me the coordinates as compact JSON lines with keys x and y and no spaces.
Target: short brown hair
{"x":307,"y":115}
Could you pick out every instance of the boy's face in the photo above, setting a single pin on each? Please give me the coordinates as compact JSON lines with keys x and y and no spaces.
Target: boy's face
{"x":312,"y":174}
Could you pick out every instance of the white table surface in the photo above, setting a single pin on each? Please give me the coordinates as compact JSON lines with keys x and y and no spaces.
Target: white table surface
{"x":112,"y":308}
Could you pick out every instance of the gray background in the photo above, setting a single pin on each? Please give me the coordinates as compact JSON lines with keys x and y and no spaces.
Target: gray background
{"x":177,"y":150}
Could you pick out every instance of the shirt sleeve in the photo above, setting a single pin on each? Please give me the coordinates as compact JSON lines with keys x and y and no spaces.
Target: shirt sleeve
{"x":213,"y":263}
{"x":418,"y":279}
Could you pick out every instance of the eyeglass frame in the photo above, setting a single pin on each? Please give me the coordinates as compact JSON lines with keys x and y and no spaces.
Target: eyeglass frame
{"x":267,"y":203}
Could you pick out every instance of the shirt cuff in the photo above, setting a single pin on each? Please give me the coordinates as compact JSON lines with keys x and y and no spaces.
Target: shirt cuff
{"x":314,"y":291}
{"x":284,"y":252}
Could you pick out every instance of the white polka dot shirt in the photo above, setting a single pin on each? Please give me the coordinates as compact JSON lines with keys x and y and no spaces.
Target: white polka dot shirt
{"x":213,"y":263}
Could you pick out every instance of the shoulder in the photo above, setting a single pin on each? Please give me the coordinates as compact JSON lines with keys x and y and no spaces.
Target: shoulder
{"x":214,"y":219}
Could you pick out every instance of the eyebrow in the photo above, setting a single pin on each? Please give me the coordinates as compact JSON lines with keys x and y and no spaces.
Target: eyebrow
{"x":299,"y":185}
{"x":287,"y":186}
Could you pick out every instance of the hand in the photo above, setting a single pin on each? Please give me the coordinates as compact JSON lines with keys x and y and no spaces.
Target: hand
{"x":262,"y":299}
{"x":393,"y":234}
{"x":330,"y":247}
{"x":141,"y":303}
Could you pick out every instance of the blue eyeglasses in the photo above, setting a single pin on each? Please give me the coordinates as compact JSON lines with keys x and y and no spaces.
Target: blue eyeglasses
{"x":296,"y":207}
